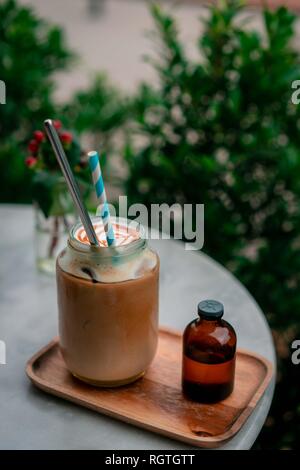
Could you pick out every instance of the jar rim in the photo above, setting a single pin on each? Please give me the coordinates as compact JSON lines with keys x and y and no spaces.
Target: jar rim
{"x":106,"y":251}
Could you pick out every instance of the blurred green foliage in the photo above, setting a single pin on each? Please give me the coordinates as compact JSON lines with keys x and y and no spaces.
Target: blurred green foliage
{"x":223,"y":131}
{"x":100,"y":109}
{"x":30,"y":52}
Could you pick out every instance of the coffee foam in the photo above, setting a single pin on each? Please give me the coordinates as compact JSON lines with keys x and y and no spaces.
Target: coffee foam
{"x":123,"y":234}
{"x":112,"y":269}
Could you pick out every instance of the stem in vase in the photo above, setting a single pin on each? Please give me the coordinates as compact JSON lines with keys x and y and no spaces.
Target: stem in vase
{"x":54,"y":237}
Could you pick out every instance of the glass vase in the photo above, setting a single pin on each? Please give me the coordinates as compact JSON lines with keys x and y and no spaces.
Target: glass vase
{"x":51,"y":233}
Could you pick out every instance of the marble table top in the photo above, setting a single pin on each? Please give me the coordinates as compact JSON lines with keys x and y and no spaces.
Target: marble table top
{"x":31,"y":419}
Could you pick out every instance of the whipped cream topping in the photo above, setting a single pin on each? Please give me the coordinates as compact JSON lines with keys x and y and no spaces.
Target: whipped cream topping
{"x":123,"y":234}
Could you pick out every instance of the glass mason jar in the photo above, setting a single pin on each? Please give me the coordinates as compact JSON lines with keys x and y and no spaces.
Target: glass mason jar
{"x":108,"y":308}
{"x":51,"y":233}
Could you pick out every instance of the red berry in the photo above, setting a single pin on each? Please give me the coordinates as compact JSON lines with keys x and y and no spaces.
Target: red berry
{"x":33,"y":146}
{"x":57,"y":124}
{"x":39,"y":136}
{"x":66,"y":137}
{"x":30,"y":161}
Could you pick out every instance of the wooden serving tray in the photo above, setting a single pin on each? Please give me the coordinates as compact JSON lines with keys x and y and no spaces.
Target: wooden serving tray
{"x":155,"y":402}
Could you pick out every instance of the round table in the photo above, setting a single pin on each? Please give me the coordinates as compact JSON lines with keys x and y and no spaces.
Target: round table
{"x":31,"y":419}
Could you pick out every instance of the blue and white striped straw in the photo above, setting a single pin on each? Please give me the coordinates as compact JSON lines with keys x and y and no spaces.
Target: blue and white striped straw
{"x":95,"y":168}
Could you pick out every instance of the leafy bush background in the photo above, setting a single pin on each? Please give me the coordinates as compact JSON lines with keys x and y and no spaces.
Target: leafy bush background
{"x":221,"y":130}
{"x":30,"y":52}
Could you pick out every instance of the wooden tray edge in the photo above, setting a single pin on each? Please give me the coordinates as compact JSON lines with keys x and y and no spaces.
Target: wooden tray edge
{"x":205,"y":442}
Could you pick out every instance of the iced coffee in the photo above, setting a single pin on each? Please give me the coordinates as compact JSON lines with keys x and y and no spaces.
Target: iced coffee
{"x":108,"y":304}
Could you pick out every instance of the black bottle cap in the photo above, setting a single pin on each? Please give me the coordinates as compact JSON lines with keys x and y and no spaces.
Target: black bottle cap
{"x":210,"y":309}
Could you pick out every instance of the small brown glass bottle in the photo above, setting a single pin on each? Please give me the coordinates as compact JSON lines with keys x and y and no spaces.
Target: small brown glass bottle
{"x":209,"y":345}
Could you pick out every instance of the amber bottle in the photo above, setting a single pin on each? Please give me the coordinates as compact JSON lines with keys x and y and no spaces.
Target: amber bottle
{"x":209,"y":346}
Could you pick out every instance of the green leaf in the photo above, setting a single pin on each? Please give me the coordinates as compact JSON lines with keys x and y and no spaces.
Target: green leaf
{"x":43,"y":190}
